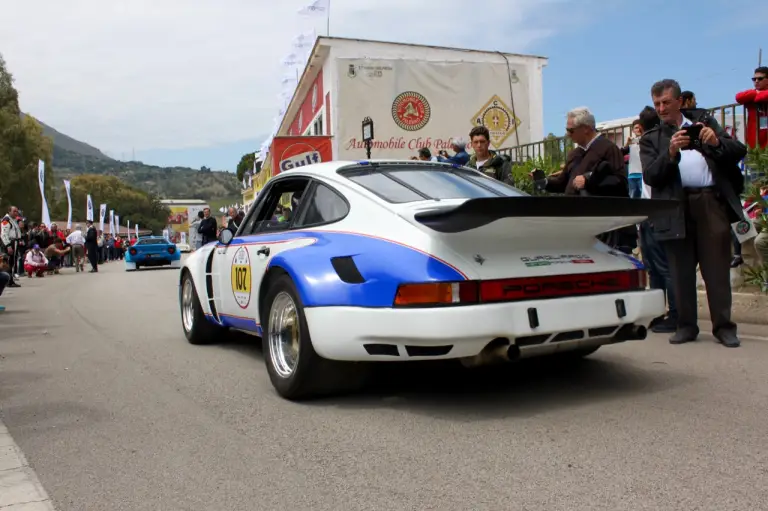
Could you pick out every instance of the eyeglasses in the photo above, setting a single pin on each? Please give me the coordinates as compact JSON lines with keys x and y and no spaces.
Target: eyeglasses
{"x":758,"y":78}
{"x":570,"y":130}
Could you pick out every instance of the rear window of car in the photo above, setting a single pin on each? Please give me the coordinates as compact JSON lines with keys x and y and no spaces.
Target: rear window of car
{"x":152,"y":242}
{"x":410,"y":183}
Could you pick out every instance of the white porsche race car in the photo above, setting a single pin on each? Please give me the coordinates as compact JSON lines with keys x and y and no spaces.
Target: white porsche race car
{"x":346,"y":262}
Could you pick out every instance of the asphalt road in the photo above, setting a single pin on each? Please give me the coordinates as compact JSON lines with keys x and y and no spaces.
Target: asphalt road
{"x":115,"y":411}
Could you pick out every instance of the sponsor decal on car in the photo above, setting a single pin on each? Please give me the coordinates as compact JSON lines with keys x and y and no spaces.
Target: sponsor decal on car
{"x":547,"y":260}
{"x":241,"y":277}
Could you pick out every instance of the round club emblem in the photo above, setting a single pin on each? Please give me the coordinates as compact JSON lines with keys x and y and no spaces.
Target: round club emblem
{"x":411,"y":111}
{"x":241,"y":277}
{"x":742,"y":227}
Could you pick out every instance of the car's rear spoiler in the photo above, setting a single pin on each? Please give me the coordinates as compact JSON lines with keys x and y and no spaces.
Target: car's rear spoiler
{"x":476,"y":213}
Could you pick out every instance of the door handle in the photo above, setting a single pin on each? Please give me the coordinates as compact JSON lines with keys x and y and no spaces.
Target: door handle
{"x":263,"y":251}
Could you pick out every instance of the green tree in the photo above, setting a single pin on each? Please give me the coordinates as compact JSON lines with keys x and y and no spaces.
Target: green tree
{"x":128,"y":202}
{"x":246,"y":164}
{"x":22,"y":144}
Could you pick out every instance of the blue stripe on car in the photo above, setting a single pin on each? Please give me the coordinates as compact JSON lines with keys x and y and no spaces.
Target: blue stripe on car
{"x":383,"y":263}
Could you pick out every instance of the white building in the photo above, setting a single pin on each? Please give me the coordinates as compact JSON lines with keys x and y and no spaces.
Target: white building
{"x":417,"y":96}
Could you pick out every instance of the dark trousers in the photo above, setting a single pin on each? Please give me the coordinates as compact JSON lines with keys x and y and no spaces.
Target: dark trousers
{"x":736,"y":244}
{"x":655,"y":260}
{"x":707,"y":243}
{"x":93,"y":256}
{"x":5,"y":279}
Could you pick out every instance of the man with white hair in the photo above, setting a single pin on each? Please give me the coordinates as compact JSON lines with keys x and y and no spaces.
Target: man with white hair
{"x":77,"y":241}
{"x":595,"y":166}
{"x":459,"y":146}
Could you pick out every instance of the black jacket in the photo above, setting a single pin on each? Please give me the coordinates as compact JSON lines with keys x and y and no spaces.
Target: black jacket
{"x":662,"y":173}
{"x":207,"y":229}
{"x":91,"y":237}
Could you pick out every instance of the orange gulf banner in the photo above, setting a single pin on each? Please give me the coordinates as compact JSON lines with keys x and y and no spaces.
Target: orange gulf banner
{"x":292,"y":152}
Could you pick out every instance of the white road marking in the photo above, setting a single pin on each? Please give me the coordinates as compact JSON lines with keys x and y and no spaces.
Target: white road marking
{"x":20,"y":489}
{"x":754,"y":337}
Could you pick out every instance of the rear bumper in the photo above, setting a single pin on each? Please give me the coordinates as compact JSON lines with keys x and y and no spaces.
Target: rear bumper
{"x":341,"y":333}
{"x":173,"y":263}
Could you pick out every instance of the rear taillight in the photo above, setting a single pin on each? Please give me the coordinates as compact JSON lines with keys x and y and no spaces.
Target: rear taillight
{"x":132,"y":251}
{"x":509,"y":290}
{"x":171,"y":250}
{"x":436,"y":293}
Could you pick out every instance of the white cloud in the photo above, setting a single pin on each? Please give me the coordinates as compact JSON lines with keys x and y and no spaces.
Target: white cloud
{"x":138,"y":74}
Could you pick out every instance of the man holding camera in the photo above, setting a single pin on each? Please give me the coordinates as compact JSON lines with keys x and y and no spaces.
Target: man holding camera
{"x":689,"y":157}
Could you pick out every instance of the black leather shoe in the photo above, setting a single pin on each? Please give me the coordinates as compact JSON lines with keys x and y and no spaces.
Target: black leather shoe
{"x":728,"y":339}
{"x":668,"y":326}
{"x":683,"y":336}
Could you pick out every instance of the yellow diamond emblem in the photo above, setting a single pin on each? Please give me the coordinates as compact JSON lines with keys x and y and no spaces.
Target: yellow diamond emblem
{"x":498,"y":118}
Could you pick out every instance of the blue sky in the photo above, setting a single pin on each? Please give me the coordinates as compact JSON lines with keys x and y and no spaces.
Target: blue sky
{"x":609,"y":63}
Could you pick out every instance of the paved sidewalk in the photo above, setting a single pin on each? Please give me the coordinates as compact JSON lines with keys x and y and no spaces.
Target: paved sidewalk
{"x":20,"y":490}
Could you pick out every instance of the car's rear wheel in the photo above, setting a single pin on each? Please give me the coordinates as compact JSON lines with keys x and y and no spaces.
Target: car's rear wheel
{"x":197,"y":328}
{"x":295,"y":369}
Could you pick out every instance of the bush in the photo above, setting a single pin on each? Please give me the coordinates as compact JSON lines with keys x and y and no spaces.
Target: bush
{"x":521,"y":172}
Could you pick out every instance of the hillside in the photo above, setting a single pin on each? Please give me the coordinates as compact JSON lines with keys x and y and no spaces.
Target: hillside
{"x":72,"y":157}
{"x":70,"y":144}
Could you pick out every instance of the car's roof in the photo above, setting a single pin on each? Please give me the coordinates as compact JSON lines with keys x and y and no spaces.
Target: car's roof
{"x":329,"y":168}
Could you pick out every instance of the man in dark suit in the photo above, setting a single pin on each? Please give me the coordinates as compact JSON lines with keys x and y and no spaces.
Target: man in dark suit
{"x":92,"y":246}
{"x":703,"y":174}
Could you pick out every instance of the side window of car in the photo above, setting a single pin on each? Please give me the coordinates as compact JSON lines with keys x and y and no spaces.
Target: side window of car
{"x":276,"y":212}
{"x":325,"y":206}
{"x":251,"y":221}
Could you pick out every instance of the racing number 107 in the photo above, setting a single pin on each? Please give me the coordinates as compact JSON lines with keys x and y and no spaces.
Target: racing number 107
{"x":241,"y":278}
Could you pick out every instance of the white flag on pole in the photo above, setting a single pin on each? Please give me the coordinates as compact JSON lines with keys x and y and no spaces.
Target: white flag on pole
{"x":292,"y":60}
{"x":102,"y":214}
{"x":111,"y":221}
{"x":137,"y":231}
{"x":69,"y":204}
{"x":117,"y":225}
{"x":128,"y":229}
{"x":316,"y":8}
{"x":89,"y":209}
{"x":41,"y":182}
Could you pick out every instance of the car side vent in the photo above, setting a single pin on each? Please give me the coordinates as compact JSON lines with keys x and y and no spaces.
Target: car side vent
{"x":347,"y":270}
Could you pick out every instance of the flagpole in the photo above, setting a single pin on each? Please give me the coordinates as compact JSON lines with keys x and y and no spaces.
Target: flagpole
{"x":328,"y":20}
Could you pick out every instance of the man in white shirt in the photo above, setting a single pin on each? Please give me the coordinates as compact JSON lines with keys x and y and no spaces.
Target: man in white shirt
{"x":704,"y":175}
{"x":77,"y":241}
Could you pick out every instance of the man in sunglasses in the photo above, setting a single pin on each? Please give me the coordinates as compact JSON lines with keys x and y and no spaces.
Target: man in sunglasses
{"x":755,"y":101}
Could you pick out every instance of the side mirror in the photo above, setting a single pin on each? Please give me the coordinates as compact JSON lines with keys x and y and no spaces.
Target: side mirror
{"x":226,"y":237}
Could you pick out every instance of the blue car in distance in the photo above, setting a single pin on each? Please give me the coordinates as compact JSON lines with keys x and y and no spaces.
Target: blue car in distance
{"x":152,"y":251}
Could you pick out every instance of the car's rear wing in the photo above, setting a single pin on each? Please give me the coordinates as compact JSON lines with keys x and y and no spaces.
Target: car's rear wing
{"x":477,"y":213}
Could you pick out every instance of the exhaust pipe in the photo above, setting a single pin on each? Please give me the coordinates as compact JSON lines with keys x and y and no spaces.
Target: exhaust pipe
{"x":630,"y":332}
{"x":498,"y":351}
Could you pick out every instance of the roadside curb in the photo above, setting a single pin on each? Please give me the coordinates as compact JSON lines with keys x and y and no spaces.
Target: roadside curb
{"x":20,"y":489}
{"x":749,"y":308}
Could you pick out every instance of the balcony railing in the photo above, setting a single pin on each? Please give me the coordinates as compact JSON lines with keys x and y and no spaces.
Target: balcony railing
{"x":555,"y":149}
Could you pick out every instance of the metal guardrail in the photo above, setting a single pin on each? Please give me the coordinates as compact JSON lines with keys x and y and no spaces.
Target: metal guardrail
{"x":555,"y":149}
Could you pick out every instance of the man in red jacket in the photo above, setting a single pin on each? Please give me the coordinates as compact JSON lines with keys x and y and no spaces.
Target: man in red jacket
{"x":755,"y":101}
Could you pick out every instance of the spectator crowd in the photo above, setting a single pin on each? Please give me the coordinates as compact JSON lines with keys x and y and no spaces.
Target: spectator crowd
{"x":35,"y":250}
